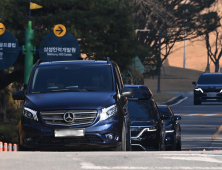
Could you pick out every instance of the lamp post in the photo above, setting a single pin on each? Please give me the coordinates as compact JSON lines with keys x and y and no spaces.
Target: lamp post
{"x":185,"y":45}
{"x":158,"y":82}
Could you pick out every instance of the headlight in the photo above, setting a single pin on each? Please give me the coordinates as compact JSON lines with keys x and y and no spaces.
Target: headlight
{"x":108,"y":112}
{"x":199,"y":89}
{"x":221,"y":91}
{"x":30,"y":114}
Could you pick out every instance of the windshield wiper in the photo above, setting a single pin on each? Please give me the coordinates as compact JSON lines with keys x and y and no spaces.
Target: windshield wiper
{"x":42,"y":92}
{"x":64,"y":90}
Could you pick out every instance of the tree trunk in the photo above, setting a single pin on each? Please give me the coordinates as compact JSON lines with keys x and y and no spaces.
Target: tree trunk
{"x":216,"y":66}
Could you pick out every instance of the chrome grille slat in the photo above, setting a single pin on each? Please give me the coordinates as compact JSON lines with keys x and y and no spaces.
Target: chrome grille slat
{"x":67,"y":124}
{"x":46,"y":118}
{"x":86,"y":118}
{"x":81,"y":117}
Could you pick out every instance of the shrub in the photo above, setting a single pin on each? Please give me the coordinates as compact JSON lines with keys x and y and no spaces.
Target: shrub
{"x":8,"y":133}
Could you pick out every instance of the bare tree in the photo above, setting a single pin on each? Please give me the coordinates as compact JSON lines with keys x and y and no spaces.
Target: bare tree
{"x":214,"y":50}
{"x":173,"y":17}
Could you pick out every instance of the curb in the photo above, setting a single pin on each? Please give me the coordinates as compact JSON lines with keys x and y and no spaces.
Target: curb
{"x":173,"y":100}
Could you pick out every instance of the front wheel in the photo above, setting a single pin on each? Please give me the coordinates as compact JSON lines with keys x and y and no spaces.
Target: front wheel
{"x":178,"y":143}
{"x":123,"y":146}
{"x":20,"y":147}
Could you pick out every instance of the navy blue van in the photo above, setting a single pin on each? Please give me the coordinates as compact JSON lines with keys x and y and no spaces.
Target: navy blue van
{"x":75,"y":105}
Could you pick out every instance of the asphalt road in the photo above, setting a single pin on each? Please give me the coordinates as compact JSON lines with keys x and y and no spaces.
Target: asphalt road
{"x":201,"y":124}
{"x":184,"y":160}
{"x":201,"y":127}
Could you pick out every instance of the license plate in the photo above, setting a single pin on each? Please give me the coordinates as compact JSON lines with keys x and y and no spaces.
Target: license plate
{"x":211,"y":94}
{"x":69,"y":132}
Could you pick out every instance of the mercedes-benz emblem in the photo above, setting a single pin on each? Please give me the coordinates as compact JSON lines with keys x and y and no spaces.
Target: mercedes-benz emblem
{"x":69,"y":117}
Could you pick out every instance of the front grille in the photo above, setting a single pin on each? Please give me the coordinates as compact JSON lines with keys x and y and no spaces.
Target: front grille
{"x":81,"y":117}
{"x":85,"y":139}
{"x":135,"y":133}
{"x":211,"y":90}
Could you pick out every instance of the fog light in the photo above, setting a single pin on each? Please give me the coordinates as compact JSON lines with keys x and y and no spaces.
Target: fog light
{"x":109,"y":136}
{"x":28,"y":139}
{"x":117,"y":138}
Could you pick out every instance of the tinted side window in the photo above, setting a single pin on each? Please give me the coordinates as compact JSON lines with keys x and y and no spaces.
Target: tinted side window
{"x":156,"y":111}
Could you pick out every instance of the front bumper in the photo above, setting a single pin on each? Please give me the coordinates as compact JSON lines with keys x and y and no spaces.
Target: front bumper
{"x":146,"y":139}
{"x":42,"y":136}
{"x":208,"y":96}
{"x":169,"y":140}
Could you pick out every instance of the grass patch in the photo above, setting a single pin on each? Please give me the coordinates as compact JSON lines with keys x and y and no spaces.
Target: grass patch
{"x":8,"y":133}
{"x":163,"y":97}
{"x":172,"y":79}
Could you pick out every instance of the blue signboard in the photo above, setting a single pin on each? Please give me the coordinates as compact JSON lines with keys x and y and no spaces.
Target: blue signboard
{"x":9,"y":50}
{"x":55,"y":48}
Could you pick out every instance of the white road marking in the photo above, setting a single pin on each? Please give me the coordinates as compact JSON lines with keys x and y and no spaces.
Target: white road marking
{"x":178,"y":102}
{"x":196,"y":158}
{"x":198,"y":114}
{"x":210,"y":114}
{"x":151,"y":168}
{"x":191,"y":114}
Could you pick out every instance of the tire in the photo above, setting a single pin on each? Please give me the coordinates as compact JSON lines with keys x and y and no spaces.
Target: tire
{"x":163,"y":146}
{"x":178,"y":143}
{"x":20,"y":147}
{"x":123,"y":146}
{"x":128,"y":143}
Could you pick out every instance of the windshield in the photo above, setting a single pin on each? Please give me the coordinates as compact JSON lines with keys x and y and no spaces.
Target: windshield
{"x":141,"y":109}
{"x":210,"y":79}
{"x":84,"y":77}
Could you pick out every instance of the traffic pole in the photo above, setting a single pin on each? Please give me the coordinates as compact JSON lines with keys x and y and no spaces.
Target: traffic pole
{"x":5,"y":147}
{"x":15,"y":147}
{"x":1,"y":146}
{"x":28,"y":50}
{"x":9,"y":147}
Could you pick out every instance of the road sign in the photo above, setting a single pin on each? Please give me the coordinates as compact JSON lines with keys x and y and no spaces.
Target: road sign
{"x":9,"y":50}
{"x":2,"y":29}
{"x":55,"y":48}
{"x":59,"y":30}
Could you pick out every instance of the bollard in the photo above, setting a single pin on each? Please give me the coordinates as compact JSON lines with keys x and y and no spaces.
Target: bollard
{"x":1,"y":146}
{"x":15,"y":147}
{"x":5,"y":147}
{"x":9,"y":147}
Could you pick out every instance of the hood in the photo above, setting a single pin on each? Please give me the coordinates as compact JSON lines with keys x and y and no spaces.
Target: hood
{"x":142,"y":122}
{"x":209,"y":86}
{"x":70,"y":100}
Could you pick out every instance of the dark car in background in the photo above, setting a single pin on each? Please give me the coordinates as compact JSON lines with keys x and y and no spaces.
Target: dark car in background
{"x":208,"y":88}
{"x":173,"y":129}
{"x":147,"y":127}
{"x":79,"y":105}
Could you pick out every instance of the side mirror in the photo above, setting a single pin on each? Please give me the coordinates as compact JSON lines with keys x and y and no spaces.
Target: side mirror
{"x":18,"y":95}
{"x":164,"y":117}
{"x":177,"y":117}
{"x":194,"y":83}
{"x":127,"y":92}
